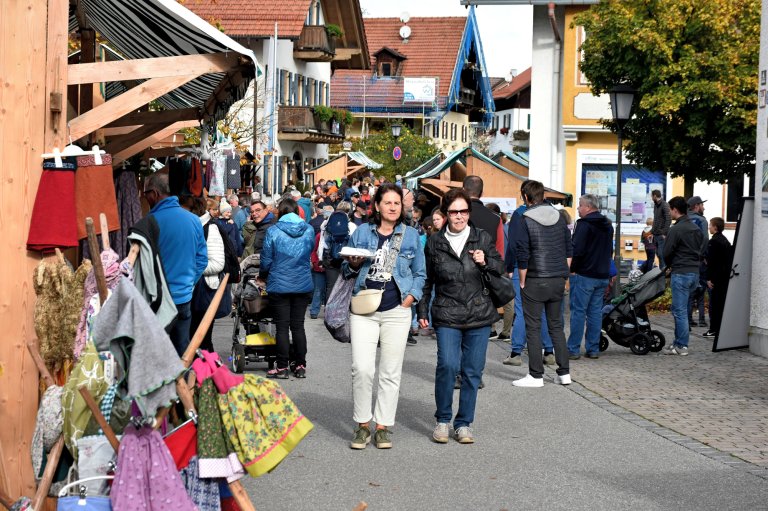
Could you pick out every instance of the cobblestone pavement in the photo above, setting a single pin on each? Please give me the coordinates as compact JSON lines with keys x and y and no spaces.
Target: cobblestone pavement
{"x":717,"y":399}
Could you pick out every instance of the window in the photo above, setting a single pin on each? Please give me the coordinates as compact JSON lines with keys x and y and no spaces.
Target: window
{"x":445,"y":130}
{"x":386,"y":69}
{"x":435,"y":129}
{"x":529,"y":122}
{"x":464,"y":134}
{"x":454,"y":130}
{"x":581,"y":36}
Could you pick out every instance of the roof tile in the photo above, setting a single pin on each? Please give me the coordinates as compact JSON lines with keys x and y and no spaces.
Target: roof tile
{"x":241,"y":18}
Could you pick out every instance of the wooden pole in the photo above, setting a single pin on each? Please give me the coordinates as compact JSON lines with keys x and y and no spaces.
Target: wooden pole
{"x":104,"y":231}
{"x":98,"y":268}
{"x":100,"y":420}
{"x":38,"y":359}
{"x":48,"y":474}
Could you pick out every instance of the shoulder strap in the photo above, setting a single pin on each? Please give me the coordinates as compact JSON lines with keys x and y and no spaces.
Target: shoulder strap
{"x":397,"y":242}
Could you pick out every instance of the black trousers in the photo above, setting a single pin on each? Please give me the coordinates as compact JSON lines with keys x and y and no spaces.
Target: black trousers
{"x":717,"y":304}
{"x":544,"y":294}
{"x":289,"y":310}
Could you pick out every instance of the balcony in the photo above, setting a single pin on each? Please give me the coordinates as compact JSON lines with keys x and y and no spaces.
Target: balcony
{"x":314,"y":45}
{"x":300,"y":124}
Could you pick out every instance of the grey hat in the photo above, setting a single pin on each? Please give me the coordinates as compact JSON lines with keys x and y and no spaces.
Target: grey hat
{"x":695,"y":200}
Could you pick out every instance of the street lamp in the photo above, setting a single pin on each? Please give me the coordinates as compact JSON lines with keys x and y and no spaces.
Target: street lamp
{"x":396,"y":130}
{"x":622,"y":98}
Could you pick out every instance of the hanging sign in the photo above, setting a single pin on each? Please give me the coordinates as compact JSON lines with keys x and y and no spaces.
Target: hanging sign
{"x":397,"y":153}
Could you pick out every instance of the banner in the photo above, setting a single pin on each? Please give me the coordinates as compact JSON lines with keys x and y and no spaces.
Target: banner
{"x":419,"y":90}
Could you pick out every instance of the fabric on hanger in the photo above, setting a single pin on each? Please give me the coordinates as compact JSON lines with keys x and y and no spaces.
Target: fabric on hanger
{"x":203,"y":492}
{"x":218,"y":177}
{"x":178,"y":174}
{"x":128,"y":209}
{"x":205,"y":366}
{"x":182,"y":444}
{"x":59,"y":302}
{"x":146,"y":476}
{"x":54,"y":221}
{"x":217,"y":455}
{"x":110,"y":261}
{"x":143,"y":352}
{"x":95,"y":192}
{"x":48,"y":426}
{"x":261,"y":421}
{"x":233,"y":171}
{"x":195,"y":179}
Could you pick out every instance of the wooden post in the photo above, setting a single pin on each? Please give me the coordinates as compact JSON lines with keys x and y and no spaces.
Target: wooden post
{"x":104,"y":227}
{"x":48,"y":474}
{"x":87,"y":55}
{"x":98,"y":268}
{"x":100,"y":419}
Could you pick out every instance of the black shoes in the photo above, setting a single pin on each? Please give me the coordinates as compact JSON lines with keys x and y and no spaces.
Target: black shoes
{"x":710,"y":333}
{"x":412,"y":340}
{"x":280,"y":374}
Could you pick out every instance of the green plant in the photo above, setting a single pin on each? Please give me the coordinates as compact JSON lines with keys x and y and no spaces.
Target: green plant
{"x":662,"y":303}
{"x":334,"y":30}
{"x":520,"y":135}
{"x":343,"y":117}
{"x":324,"y":113}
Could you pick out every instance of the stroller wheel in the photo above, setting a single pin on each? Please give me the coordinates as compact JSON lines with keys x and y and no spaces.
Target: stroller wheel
{"x":238,"y":358}
{"x":657,"y":340}
{"x":640,"y":344}
{"x":603,"y":342}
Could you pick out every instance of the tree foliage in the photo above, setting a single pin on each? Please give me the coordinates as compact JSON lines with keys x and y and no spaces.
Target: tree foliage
{"x":378,"y":146}
{"x":694,"y":64}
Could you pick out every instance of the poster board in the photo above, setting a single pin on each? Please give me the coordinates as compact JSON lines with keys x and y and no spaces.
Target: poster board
{"x":506,"y":204}
{"x":735,"y":323}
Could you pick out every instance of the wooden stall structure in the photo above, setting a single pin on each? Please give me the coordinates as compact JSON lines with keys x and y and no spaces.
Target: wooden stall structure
{"x":346,"y":166}
{"x":444,"y":172}
{"x":512,"y":161}
{"x":172,"y":58}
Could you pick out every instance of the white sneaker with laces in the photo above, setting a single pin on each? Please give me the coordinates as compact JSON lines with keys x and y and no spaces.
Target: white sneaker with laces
{"x":565,"y":379}
{"x":529,"y":381}
{"x":441,"y":433}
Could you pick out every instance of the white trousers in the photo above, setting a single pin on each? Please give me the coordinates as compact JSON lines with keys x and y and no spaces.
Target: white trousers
{"x":391,"y":328}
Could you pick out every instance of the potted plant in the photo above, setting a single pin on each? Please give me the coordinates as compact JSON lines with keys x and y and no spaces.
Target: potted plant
{"x":520,"y":135}
{"x":504,"y":131}
{"x":333,"y":31}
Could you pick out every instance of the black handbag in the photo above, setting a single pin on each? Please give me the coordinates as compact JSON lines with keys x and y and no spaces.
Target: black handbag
{"x":499,"y":287}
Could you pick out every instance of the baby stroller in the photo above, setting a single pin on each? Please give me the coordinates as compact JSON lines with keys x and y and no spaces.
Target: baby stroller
{"x":252,"y":311}
{"x":626,"y":321}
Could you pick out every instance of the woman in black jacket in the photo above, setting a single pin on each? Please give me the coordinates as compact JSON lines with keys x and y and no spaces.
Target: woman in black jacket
{"x":462,"y":311}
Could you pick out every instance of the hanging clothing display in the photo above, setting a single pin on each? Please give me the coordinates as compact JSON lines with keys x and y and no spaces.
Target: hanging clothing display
{"x":218,"y":176}
{"x":217,"y":455}
{"x":195,"y":178}
{"x":59,"y":293}
{"x":261,"y":421}
{"x":178,"y":174}
{"x":182,"y":444}
{"x":110,"y":261}
{"x":146,"y":476}
{"x":48,"y":428}
{"x":233,"y":172}
{"x":203,"y":492}
{"x":147,"y":361}
{"x":95,"y":193}
{"x":54,"y":221}
{"x":128,"y":209}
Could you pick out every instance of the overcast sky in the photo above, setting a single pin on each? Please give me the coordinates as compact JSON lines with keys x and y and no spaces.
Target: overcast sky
{"x":505,"y":30}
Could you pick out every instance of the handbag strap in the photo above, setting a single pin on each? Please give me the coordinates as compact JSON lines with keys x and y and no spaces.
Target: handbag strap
{"x":397,"y":242}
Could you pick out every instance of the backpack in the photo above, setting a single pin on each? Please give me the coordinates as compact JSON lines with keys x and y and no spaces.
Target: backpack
{"x":231,"y":263}
{"x":336,"y":234}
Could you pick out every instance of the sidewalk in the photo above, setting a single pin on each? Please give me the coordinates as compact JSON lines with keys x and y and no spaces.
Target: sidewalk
{"x":719,"y":399}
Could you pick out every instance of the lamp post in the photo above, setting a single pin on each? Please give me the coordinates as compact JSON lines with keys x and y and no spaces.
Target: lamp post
{"x":396,"y":152}
{"x":622,"y":98}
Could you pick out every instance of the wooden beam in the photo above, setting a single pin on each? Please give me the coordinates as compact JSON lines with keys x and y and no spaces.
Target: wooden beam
{"x":122,"y":130}
{"x":164,"y":116}
{"x":149,"y":141}
{"x":118,"y":144}
{"x":232,"y":79}
{"x":140,"y":69}
{"x":125,"y":103}
{"x":56,"y":75}
{"x":346,"y":53}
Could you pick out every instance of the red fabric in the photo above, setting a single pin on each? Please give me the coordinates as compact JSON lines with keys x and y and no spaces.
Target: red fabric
{"x":229,"y":504}
{"x":302,"y":214}
{"x":313,"y":258}
{"x":500,"y":239}
{"x":54,"y":223}
{"x":95,"y":193}
{"x":182,"y":442}
{"x":195,"y":181}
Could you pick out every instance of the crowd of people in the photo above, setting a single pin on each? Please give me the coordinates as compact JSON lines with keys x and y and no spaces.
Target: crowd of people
{"x":415,"y":274}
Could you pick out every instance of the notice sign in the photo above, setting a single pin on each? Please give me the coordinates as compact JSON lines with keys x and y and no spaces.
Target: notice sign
{"x":397,"y":153}
{"x":419,"y":90}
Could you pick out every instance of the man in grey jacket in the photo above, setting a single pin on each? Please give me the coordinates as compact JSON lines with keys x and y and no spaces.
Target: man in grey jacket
{"x":682,"y":252}
{"x":662,"y":219}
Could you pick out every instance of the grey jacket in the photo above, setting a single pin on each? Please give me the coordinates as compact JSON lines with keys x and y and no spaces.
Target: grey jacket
{"x":685,"y":246}
{"x":662,"y":218}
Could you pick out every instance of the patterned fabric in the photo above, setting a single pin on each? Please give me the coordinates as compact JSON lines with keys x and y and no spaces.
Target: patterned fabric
{"x":50,"y":420}
{"x":106,"y":403}
{"x":95,"y":457}
{"x":262,"y":423}
{"x":59,"y":302}
{"x":110,"y":260}
{"x":218,"y":176}
{"x":217,"y":454}
{"x":233,"y":172}
{"x":146,"y":476}
{"x":128,"y":209}
{"x":88,"y":371}
{"x":23,"y":504}
{"x":203,"y":492}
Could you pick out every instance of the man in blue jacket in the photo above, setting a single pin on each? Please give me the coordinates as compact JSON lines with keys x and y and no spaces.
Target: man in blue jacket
{"x":590,"y":268}
{"x":183,"y":252}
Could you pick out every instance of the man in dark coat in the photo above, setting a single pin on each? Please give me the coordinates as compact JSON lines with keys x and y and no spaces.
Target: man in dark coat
{"x":255,"y":229}
{"x":719,"y":254}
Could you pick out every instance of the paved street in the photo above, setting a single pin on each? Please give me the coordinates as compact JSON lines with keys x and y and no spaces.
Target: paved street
{"x":555,"y":447}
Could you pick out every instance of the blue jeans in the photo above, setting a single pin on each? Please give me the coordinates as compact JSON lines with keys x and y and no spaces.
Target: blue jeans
{"x":179,"y":333}
{"x":318,"y":295}
{"x":683,"y":286}
{"x":459,"y":350}
{"x":518,"y":327}
{"x":586,"y":306}
{"x":660,"y":240}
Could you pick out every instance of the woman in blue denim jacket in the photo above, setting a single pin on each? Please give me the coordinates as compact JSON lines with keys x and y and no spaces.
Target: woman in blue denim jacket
{"x":390,"y":324}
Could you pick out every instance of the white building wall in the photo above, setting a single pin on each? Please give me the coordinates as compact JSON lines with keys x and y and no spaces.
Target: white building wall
{"x":546,"y":147}
{"x":519,"y":121}
{"x":758,"y":334}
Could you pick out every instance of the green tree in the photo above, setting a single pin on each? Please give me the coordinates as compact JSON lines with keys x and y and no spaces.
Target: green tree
{"x":694,"y":64}
{"x":378,"y":146}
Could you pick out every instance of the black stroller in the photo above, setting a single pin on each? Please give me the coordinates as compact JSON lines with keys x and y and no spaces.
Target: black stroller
{"x":252,"y":311}
{"x":626,"y":322}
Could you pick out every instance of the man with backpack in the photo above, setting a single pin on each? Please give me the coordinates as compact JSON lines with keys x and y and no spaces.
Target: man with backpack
{"x":334,"y":236}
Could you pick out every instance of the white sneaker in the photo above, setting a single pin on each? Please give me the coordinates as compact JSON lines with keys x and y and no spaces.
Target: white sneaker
{"x":529,"y":381}
{"x":563,"y":380}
